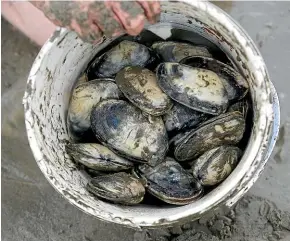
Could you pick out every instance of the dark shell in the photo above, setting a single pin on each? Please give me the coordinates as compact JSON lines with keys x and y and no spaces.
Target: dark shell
{"x":171,"y":51}
{"x":84,"y":97}
{"x":196,"y":88}
{"x":225,"y":129}
{"x":124,"y":54}
{"x":93,"y":173}
{"x":118,"y":187}
{"x":182,"y":35}
{"x":140,"y":86}
{"x":215,"y":165}
{"x":235,"y":84}
{"x":241,"y":106}
{"x":123,"y":128}
{"x":181,"y":117}
{"x":170,"y":183}
{"x":97,"y":157}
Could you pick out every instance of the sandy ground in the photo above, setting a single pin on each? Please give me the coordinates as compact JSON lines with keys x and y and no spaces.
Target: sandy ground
{"x":33,"y":211}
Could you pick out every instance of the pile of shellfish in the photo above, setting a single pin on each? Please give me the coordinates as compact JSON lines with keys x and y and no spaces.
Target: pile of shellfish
{"x":162,"y":121}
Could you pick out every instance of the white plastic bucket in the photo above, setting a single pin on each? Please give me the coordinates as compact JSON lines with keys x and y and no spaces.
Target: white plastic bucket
{"x":64,"y":57}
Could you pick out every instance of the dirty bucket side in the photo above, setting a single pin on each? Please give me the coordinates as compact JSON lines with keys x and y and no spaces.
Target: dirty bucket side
{"x":65,"y":56}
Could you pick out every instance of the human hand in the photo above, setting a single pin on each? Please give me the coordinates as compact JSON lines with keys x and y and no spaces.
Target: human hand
{"x":91,"y":20}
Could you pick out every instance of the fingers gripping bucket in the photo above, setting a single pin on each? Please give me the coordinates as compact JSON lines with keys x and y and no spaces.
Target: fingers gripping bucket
{"x":64,"y":57}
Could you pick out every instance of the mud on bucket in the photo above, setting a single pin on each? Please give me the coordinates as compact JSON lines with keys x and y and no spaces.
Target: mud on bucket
{"x":64,"y":57}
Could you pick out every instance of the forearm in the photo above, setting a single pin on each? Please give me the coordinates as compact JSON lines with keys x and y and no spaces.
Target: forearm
{"x":47,"y":8}
{"x":91,"y":20}
{"x":72,"y":15}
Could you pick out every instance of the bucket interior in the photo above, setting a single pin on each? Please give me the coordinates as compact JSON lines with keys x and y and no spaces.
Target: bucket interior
{"x":65,"y":57}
